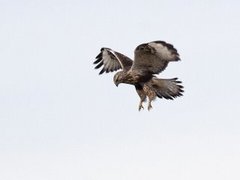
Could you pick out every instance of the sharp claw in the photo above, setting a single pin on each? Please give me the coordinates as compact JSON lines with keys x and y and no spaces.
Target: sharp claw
{"x":149,"y":107}
{"x":140,"y":107}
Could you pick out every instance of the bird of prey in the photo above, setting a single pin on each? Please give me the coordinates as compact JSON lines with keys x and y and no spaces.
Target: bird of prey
{"x":149,"y":59}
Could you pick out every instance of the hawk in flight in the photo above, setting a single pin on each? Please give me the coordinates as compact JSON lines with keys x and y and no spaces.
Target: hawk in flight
{"x":149,"y":59}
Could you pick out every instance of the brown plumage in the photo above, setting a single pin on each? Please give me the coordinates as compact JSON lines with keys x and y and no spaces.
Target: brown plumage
{"x":150,"y":59}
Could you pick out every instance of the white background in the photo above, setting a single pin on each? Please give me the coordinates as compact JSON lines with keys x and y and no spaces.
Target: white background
{"x":60,"y":120}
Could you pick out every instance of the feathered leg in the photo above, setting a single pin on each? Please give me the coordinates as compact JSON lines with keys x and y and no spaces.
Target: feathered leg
{"x":142,"y":96}
{"x":150,"y":103}
{"x":140,"y":106}
{"x":150,"y":94}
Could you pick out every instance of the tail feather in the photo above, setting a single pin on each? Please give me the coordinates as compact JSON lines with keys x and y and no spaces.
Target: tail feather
{"x":166,"y":88}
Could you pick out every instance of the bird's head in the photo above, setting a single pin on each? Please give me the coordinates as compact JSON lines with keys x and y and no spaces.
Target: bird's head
{"x":118,"y":77}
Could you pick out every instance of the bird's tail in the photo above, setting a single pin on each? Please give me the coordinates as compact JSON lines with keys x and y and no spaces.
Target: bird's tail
{"x":166,"y":88}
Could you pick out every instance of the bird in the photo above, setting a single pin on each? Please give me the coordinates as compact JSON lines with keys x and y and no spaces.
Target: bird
{"x":150,"y":59}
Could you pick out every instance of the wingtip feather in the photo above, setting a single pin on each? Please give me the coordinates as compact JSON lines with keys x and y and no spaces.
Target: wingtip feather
{"x":102,"y":71}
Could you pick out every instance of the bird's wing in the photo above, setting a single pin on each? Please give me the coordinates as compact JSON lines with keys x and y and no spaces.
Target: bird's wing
{"x":166,"y":88}
{"x":111,"y":61}
{"x":153,"y":57}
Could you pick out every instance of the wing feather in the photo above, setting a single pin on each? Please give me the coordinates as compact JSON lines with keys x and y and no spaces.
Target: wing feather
{"x":111,"y":61}
{"x":153,"y":57}
{"x":166,"y":88}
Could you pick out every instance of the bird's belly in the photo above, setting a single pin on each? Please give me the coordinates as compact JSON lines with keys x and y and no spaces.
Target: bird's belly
{"x":135,"y":77}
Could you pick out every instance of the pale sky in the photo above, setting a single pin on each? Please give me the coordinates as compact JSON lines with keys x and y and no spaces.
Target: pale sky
{"x":60,"y":120}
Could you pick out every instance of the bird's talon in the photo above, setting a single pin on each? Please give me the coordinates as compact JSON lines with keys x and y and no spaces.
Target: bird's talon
{"x":149,"y":107}
{"x":140,"y":107}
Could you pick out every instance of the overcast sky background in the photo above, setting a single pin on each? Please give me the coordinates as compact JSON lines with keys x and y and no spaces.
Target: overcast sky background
{"x":60,"y":120}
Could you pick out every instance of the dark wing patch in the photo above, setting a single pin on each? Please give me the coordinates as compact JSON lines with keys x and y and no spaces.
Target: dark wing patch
{"x":153,"y":57}
{"x":111,"y":61}
{"x":173,"y":54}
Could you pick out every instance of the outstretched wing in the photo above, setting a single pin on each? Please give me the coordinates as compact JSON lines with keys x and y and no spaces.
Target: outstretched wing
{"x":153,"y":57}
{"x":166,"y":88}
{"x":111,"y":61}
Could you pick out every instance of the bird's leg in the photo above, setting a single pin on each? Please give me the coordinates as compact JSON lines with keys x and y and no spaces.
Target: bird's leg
{"x":151,"y":96}
{"x":140,"y":105}
{"x":142,"y":96}
{"x":149,"y":105}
